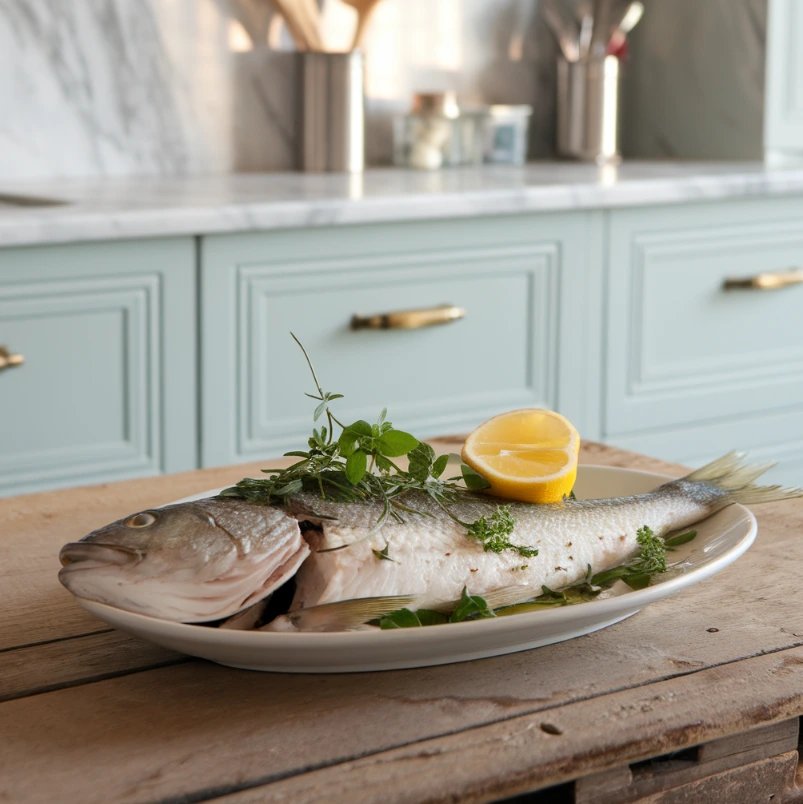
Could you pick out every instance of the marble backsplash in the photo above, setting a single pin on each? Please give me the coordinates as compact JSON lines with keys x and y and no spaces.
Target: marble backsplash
{"x":109,"y":87}
{"x":115,"y":87}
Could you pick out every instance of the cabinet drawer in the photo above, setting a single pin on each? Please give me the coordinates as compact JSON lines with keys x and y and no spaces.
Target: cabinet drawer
{"x":105,"y":391}
{"x":681,"y":347}
{"x":434,"y":380}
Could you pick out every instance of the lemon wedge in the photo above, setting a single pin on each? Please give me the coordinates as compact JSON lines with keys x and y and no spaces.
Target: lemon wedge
{"x":527,"y":455}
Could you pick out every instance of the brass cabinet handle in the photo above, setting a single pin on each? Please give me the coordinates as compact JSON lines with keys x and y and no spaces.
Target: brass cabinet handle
{"x":409,"y":319}
{"x":7,"y":360}
{"x":769,"y":281}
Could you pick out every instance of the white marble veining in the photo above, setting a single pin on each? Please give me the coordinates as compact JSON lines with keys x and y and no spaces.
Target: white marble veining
{"x":171,"y":87}
{"x":196,"y":205}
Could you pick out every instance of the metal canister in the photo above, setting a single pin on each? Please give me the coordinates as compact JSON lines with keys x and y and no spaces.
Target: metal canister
{"x":332,"y":112}
{"x":589,"y":109}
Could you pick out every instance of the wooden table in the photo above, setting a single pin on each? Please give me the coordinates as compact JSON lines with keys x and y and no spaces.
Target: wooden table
{"x":89,"y":714}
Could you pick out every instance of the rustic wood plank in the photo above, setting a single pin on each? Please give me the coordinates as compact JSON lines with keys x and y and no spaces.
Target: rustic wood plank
{"x":589,"y":789}
{"x":197,"y":730}
{"x":661,"y":774}
{"x":517,"y":755}
{"x":784,"y":734}
{"x":273,"y":715}
{"x":762,"y":781}
{"x":673,"y":636}
{"x":80,"y":660}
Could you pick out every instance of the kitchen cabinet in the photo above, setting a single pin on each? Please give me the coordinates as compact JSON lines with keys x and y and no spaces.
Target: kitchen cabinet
{"x":158,"y":355}
{"x":696,"y":366}
{"x":107,"y":387}
{"x":530,"y":287}
{"x":783,"y":116}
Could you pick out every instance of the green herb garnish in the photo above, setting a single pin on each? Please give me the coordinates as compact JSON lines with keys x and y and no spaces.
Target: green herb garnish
{"x":650,"y":560}
{"x":358,"y":466}
{"x":493,"y":533}
{"x":470,"y":607}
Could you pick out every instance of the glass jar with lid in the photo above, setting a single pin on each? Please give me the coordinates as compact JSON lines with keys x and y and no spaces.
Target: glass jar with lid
{"x":439,"y":133}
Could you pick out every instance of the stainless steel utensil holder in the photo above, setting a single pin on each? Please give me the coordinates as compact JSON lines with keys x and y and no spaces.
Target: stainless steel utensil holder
{"x":589,"y":109}
{"x":332,"y":116}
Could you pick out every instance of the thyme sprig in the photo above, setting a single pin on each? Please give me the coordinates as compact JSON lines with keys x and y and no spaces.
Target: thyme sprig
{"x":358,"y":466}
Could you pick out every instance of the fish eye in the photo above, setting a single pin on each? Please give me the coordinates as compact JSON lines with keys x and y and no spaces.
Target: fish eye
{"x":142,"y":520}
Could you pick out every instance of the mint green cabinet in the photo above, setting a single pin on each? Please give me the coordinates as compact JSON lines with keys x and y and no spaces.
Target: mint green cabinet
{"x":529,"y":336}
{"x":107,"y":390}
{"x":695,"y":368}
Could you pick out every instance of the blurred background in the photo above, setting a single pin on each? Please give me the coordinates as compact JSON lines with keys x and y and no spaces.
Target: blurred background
{"x":461,"y":207}
{"x":111,"y":87}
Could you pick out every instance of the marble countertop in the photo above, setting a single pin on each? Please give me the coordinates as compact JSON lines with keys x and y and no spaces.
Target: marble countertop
{"x":118,"y":208}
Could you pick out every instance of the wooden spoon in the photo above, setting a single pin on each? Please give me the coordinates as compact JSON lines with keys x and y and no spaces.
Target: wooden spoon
{"x":310,"y":16}
{"x":364,"y":9}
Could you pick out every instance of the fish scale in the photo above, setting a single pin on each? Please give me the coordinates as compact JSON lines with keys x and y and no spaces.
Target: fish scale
{"x":434,"y":558}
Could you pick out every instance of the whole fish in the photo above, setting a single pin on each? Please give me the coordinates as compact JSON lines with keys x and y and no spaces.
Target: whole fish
{"x":430,"y":556}
{"x":190,"y":562}
{"x":206,"y":560}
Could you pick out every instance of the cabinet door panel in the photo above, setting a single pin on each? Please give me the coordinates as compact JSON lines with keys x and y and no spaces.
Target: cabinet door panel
{"x":106,"y":390}
{"x":681,"y":347}
{"x":508,"y":275}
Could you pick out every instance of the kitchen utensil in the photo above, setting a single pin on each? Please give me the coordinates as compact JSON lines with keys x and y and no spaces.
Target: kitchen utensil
{"x":589,"y":109}
{"x":365,"y":10}
{"x":563,"y":27}
{"x":310,"y":17}
{"x":586,"y":28}
{"x":600,"y":34}
{"x":631,"y":18}
{"x":332,"y":118}
{"x":720,"y":540}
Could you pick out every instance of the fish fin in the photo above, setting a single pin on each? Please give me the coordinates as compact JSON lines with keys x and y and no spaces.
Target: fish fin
{"x":731,"y":473}
{"x":347,"y":613}
{"x":496,"y":599}
{"x":509,"y":596}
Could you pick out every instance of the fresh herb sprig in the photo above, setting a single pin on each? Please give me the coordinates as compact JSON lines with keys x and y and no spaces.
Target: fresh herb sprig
{"x":493,"y":533}
{"x":470,"y":607}
{"x":358,"y":466}
{"x":650,"y":560}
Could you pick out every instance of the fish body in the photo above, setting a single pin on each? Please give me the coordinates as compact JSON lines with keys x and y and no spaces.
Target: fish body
{"x":190,"y":562}
{"x":206,"y":560}
{"x":432,"y":557}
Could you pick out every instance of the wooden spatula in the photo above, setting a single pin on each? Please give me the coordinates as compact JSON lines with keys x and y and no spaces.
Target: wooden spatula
{"x":364,"y":9}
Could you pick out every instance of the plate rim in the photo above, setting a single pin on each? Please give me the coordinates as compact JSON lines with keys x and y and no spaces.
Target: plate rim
{"x":634,"y":600}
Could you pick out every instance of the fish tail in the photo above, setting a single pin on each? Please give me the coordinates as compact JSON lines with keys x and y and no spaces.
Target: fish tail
{"x":731,"y":473}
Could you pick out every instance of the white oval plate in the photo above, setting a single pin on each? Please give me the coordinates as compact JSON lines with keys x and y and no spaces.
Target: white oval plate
{"x":721,"y":539}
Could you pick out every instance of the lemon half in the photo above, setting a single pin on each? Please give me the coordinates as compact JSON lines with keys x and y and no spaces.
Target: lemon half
{"x":527,"y":455}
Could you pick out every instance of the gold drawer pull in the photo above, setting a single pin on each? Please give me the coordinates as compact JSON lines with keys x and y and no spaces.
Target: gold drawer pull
{"x":7,"y":360}
{"x":769,"y":281}
{"x":409,"y":319}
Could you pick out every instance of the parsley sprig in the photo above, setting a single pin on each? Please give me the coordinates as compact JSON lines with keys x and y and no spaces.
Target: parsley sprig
{"x":358,"y":466}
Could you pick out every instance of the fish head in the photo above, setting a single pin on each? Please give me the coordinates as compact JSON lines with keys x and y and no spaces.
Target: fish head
{"x":181,"y":563}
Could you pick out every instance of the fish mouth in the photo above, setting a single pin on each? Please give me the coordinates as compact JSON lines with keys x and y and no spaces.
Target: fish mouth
{"x":95,"y":554}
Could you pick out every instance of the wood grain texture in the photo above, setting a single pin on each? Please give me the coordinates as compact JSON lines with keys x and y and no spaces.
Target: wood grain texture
{"x":77,"y":660}
{"x":684,"y":671}
{"x":516,"y":756}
